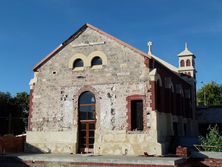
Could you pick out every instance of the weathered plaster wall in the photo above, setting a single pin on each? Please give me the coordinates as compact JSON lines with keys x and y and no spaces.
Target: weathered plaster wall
{"x":56,"y":92}
{"x":57,"y":87}
{"x":122,"y":142}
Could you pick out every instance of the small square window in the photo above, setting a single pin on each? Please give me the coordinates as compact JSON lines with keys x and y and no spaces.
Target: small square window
{"x":137,"y":115}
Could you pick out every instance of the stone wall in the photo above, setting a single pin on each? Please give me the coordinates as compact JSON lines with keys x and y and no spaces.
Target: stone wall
{"x":56,"y":87}
{"x":54,"y":93}
{"x":55,"y":99}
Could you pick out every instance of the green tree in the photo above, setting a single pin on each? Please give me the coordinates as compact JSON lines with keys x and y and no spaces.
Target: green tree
{"x":22,"y":100}
{"x":13,"y":113}
{"x":213,"y":140}
{"x":210,"y":94}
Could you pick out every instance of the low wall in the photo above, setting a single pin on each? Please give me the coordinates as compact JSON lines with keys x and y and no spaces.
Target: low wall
{"x":12,"y":144}
{"x":107,"y":142}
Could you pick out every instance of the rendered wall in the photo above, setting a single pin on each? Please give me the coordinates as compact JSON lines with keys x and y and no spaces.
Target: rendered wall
{"x":51,"y":142}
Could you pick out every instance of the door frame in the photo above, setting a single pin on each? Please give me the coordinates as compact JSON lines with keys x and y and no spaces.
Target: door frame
{"x":87,"y":123}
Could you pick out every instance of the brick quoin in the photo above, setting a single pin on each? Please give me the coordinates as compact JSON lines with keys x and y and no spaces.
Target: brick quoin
{"x":153,"y":94}
{"x":30,"y":110}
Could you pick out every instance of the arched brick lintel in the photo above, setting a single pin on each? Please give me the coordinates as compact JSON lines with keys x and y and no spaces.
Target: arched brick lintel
{"x":85,"y":89}
{"x":76,"y":99}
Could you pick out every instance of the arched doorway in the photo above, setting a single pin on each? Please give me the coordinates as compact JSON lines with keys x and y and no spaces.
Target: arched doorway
{"x":87,"y":121}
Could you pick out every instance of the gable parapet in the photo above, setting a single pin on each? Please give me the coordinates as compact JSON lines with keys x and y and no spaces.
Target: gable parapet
{"x":33,"y":81}
{"x":154,"y":76}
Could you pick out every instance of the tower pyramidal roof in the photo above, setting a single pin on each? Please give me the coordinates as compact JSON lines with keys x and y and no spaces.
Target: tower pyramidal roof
{"x":186,"y":52}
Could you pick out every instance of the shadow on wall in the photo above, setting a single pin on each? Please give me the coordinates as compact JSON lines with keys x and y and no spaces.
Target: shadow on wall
{"x":169,"y":142}
{"x":32,"y":149}
{"x":197,"y":162}
{"x":12,"y":144}
{"x":8,"y":148}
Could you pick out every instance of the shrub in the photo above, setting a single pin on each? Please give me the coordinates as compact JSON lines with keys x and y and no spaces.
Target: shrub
{"x":213,"y":140}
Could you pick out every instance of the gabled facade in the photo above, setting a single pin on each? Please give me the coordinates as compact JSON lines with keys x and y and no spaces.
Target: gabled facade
{"x":97,"y":94}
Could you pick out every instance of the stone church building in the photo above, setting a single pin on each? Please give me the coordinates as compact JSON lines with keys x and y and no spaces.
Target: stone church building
{"x":96,"y":94}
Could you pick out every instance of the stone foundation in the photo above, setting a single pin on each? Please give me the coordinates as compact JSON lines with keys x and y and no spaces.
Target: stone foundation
{"x":106,"y":143}
{"x":123,"y":143}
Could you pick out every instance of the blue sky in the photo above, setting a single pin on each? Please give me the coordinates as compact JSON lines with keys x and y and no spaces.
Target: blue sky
{"x":30,"y":29}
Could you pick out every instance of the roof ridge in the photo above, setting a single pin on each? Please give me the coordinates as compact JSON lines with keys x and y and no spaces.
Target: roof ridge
{"x":168,"y":65}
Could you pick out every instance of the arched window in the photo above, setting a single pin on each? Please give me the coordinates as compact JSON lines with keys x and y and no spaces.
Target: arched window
{"x":96,"y":61}
{"x":188,"y":62}
{"x":189,"y":73}
{"x":182,"y":63}
{"x":87,"y":120}
{"x":78,"y":63}
{"x":87,"y":106}
{"x":87,"y":98}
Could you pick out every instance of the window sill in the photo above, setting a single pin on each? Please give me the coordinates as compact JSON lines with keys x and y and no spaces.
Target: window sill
{"x":78,"y":69}
{"x":136,"y":132}
{"x":97,"y":67}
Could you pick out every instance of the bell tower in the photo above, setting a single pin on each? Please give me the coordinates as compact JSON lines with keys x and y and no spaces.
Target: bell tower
{"x":188,"y":72}
{"x":187,"y":63}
